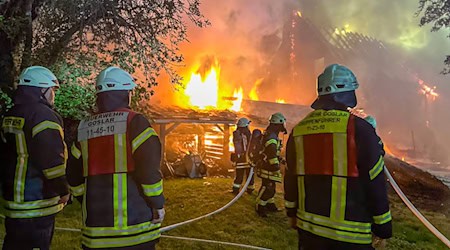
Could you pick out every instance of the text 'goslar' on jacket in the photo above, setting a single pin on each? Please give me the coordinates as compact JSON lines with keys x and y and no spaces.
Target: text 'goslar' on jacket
{"x":114,"y":166}
{"x":336,"y":190}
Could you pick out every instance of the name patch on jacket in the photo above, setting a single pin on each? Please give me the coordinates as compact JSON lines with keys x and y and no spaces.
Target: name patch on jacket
{"x":323,"y":121}
{"x":13,"y":122}
{"x":103,"y":125}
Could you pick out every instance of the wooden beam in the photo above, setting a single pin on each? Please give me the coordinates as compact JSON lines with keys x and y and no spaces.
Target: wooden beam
{"x":174,"y":126}
{"x":220,"y":128}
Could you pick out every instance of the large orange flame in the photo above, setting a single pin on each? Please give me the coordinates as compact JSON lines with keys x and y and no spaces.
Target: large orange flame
{"x":204,"y":92}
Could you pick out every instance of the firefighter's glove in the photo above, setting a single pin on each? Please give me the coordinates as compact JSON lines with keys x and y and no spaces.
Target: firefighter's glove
{"x":158,"y":215}
{"x":64,"y":199}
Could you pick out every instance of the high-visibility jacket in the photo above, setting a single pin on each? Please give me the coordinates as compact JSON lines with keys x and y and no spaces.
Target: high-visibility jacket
{"x":241,"y":140}
{"x":115,"y":167}
{"x":270,"y":166}
{"x":33,"y":157}
{"x":334,"y":182}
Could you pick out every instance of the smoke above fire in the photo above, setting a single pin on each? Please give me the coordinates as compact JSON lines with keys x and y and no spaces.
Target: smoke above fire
{"x":245,"y":38}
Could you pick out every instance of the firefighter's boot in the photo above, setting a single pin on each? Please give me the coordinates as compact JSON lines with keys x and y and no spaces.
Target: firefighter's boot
{"x":261,"y":211}
{"x":272,"y":208}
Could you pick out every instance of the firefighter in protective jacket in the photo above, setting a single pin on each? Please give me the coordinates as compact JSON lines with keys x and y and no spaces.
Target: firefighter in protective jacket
{"x":335,"y":187}
{"x":269,"y":168}
{"x":33,"y":162}
{"x":241,"y":140}
{"x":114,"y":169}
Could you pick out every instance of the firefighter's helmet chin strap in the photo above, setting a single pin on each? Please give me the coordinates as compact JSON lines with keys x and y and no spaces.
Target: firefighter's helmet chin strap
{"x":45,"y":98}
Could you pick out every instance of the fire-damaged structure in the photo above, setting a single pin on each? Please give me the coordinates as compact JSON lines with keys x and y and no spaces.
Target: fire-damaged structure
{"x":190,"y":139}
{"x":384,"y":73}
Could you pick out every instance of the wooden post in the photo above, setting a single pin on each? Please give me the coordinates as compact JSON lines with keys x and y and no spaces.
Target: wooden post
{"x":162,"y":138}
{"x":226,"y":145}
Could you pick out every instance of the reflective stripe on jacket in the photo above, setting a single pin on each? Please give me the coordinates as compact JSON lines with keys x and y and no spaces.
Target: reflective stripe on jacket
{"x":326,"y":183}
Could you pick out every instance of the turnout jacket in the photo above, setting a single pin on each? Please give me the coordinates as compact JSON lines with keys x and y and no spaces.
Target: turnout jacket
{"x":33,"y":157}
{"x":114,"y":168}
{"x":334,"y":182}
{"x":270,"y":168}
{"x":241,"y":140}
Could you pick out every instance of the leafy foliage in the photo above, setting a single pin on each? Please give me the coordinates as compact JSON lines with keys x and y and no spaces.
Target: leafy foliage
{"x":141,"y":37}
{"x":437,"y":13}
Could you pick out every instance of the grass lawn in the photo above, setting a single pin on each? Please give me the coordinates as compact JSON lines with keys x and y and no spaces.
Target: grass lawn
{"x":188,"y":198}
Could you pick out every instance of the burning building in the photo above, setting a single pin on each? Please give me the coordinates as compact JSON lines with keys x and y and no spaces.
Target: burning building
{"x":278,"y":73}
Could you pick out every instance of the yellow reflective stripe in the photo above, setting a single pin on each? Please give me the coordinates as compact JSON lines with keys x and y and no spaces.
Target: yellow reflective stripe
{"x":47,"y":125}
{"x":85,"y":154}
{"x":300,"y":154}
{"x":271,"y":141}
{"x":75,"y":151}
{"x":55,"y":172}
{"x":83,"y":205}
{"x":271,"y":200}
{"x":153,"y":189}
{"x":290,"y":204}
{"x":120,"y":241}
{"x":21,"y":167}
{"x":29,"y":204}
{"x":78,"y":190}
{"x":382,"y":219}
{"x":120,"y":153}
{"x":236,"y":185}
{"x":111,"y":231}
{"x":338,"y":198}
{"x":323,"y":122}
{"x":358,"y":238}
{"x":142,"y":137}
{"x":274,"y":161}
{"x":351,"y":226}
{"x":258,"y":198}
{"x":301,"y":193}
{"x":120,"y":200}
{"x":271,"y":175}
{"x":340,"y":154}
{"x":376,"y":170}
{"x":33,"y":213}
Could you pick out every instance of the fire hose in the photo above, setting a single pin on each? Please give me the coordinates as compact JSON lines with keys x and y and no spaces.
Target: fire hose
{"x":414,"y":210}
{"x":173,"y":226}
{"x":391,"y":180}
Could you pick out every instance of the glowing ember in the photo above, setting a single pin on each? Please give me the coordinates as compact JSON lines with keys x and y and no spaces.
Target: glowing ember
{"x":299,"y":13}
{"x":280,"y":101}
{"x":428,"y":91}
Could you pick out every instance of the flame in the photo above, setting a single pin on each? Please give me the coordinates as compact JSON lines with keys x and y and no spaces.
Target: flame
{"x":203,"y":92}
{"x":238,"y":95}
{"x":253,"y":95}
{"x":280,"y":101}
{"x":299,"y":13}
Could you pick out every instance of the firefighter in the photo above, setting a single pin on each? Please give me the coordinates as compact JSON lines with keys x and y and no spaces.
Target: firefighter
{"x":33,"y":162}
{"x":114,"y":170}
{"x":269,"y":168}
{"x":241,"y":140}
{"x":335,"y":187}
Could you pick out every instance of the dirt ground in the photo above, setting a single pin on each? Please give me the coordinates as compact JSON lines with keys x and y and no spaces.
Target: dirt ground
{"x":423,"y":189}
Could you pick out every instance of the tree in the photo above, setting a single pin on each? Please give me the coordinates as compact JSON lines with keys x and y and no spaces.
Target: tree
{"x":91,"y":34}
{"x":437,"y":13}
